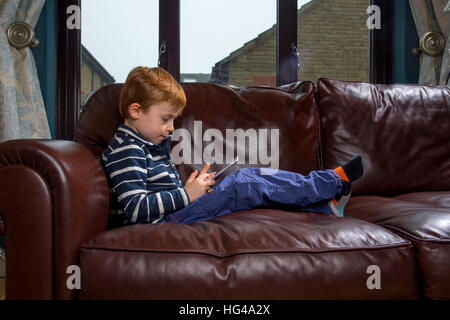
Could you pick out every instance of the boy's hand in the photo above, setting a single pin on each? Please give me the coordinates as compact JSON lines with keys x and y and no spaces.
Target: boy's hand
{"x":196,"y":186}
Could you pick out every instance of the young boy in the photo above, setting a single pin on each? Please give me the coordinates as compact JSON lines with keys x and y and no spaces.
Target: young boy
{"x":147,"y":185}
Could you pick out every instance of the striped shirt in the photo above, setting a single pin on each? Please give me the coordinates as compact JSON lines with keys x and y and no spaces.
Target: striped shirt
{"x":143,"y":177}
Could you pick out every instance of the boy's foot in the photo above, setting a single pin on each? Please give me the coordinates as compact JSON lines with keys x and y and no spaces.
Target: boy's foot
{"x":337,"y":207}
{"x":352,"y":170}
{"x":348,"y":173}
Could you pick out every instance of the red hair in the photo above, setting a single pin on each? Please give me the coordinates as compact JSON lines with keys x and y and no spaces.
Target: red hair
{"x":148,"y":86}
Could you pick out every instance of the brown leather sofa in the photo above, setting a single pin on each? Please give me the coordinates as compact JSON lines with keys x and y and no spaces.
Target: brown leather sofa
{"x":393,"y":242}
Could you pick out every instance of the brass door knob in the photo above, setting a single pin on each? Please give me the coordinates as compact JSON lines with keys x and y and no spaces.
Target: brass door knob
{"x":20,"y":35}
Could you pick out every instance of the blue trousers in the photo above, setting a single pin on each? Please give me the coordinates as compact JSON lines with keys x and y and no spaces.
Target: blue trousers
{"x":250,"y":188}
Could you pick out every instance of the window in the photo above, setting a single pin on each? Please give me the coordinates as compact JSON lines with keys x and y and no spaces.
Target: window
{"x":116,"y":38}
{"x":230,"y":42}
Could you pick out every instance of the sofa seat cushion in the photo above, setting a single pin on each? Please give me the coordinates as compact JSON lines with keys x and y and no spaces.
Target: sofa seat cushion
{"x":423,"y":218}
{"x":254,"y":254}
{"x":436,"y":198}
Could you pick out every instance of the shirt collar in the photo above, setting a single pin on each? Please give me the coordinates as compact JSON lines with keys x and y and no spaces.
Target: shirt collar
{"x":129,"y":131}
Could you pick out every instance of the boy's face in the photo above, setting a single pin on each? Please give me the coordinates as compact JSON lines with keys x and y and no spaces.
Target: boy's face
{"x":156,"y":124}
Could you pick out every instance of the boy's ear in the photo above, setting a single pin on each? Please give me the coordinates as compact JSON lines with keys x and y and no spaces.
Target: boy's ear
{"x":134,"y":110}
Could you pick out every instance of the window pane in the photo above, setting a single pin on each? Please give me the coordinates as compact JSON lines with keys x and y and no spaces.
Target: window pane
{"x":230,"y":42}
{"x":333,"y":40}
{"x":116,"y":36}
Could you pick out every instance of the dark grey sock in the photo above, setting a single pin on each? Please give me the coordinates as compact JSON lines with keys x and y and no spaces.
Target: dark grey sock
{"x":354,"y":169}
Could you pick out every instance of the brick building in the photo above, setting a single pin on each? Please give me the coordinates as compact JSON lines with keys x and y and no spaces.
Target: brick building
{"x":333,"y":41}
{"x":195,"y":77}
{"x":93,"y":74}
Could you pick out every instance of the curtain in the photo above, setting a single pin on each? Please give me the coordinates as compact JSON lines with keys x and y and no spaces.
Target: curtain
{"x":433,"y":16}
{"x":22,"y":111}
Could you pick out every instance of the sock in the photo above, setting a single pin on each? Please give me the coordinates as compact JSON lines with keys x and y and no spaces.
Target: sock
{"x":351,"y":171}
{"x":348,"y":173}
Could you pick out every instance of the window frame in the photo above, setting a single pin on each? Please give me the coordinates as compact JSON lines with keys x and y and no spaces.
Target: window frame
{"x":169,"y":32}
{"x":286,"y":39}
{"x":381,"y":45}
{"x":68,"y":73}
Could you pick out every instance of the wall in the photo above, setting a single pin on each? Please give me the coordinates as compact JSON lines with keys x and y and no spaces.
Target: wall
{"x":90,"y":80}
{"x":334,"y":40}
{"x":257,"y":61}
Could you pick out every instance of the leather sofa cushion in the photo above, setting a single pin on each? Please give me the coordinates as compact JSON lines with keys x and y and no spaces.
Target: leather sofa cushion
{"x":255,"y":254}
{"x":100,"y":119}
{"x":401,"y":132}
{"x":424,"y":219}
{"x":288,"y":115}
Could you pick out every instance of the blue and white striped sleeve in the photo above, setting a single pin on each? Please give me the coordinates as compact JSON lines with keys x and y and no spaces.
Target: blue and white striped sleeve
{"x":127,"y":170}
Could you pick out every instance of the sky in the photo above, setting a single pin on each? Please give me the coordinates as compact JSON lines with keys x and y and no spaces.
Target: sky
{"x":122,"y":36}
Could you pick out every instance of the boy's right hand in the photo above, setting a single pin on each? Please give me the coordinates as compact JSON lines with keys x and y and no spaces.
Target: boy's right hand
{"x":196,"y":186}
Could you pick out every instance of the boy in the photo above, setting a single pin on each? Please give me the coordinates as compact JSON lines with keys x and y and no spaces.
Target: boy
{"x":137,"y":160}
{"x":147,"y":185}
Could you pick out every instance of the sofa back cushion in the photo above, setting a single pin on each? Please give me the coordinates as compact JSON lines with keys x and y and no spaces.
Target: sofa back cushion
{"x":100,"y":119}
{"x":265,"y":127}
{"x":402,"y":132}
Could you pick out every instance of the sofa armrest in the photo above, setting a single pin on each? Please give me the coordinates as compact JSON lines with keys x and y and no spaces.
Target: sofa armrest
{"x":54,"y":195}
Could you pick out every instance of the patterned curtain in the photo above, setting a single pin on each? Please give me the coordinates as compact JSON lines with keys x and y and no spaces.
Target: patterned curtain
{"x":432,"y":19}
{"x":22,"y":111}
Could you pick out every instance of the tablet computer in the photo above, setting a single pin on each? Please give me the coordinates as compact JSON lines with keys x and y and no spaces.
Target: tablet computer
{"x":226,"y":168}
